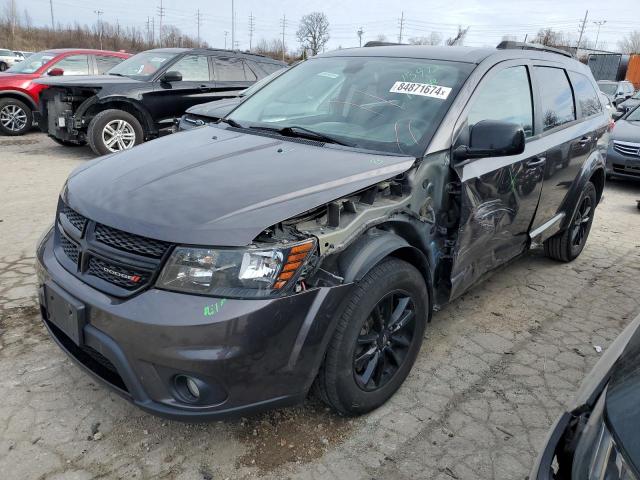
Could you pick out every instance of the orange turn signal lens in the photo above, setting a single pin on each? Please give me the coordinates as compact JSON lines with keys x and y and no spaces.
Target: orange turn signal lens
{"x":303,"y":248}
{"x":291,"y":266}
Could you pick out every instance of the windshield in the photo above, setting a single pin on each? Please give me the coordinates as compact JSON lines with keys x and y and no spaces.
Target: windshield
{"x":143,"y":65}
{"x":32,"y":63}
{"x":261,"y":83}
{"x":608,"y":88}
{"x":387,"y":104}
{"x":634,"y":116}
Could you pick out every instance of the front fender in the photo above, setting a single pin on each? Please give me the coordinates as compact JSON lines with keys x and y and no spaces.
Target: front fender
{"x":95,"y":104}
{"x":19,"y":94}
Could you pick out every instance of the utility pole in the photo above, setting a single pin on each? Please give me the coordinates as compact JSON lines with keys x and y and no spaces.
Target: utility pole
{"x":148,"y":29}
{"x":401,"y":27}
{"x":153,"y":31}
{"x":583,"y":24}
{"x":198,"y":19}
{"x":225,"y":39}
{"x":599,"y":23}
{"x":360,"y":32}
{"x":161,"y":14}
{"x":251,"y":27}
{"x":53,"y":26}
{"x":283,"y":23}
{"x":99,"y":12}
{"x":233,"y":25}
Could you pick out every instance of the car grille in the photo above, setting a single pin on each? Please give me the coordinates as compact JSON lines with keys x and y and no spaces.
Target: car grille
{"x":626,"y":170}
{"x":111,"y":260}
{"x":117,"y":275}
{"x":130,"y":242}
{"x":627,"y":148}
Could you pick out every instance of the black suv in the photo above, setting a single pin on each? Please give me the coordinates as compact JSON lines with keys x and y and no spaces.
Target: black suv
{"x":143,"y":94}
{"x":306,"y":239}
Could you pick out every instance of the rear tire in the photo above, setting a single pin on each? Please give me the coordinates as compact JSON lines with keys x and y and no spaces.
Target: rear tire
{"x":377,"y":339}
{"x":16,"y":117}
{"x":111,"y":131}
{"x":3,"y":66}
{"x":567,"y":245}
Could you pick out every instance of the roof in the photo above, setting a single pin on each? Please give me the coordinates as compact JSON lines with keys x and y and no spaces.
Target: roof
{"x":215,"y":50}
{"x":81,"y":50}
{"x":454,"y":54}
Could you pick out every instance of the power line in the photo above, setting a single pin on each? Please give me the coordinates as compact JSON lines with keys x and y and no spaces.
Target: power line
{"x":599,"y":23}
{"x":161,"y":11}
{"x":251,"y":27}
{"x":583,"y":24}
{"x":401,"y":27}
{"x":360,"y":32}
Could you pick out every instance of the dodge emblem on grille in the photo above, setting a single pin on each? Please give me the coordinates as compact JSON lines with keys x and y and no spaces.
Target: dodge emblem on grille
{"x":131,"y":278}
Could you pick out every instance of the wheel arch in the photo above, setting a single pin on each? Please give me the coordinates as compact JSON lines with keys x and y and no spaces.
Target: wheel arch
{"x":373,"y":247}
{"x":23,"y":97}
{"x":130,"y":106}
{"x":598,"y":179}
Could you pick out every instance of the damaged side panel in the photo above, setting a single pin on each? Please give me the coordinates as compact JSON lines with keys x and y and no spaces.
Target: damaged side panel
{"x":498,"y":207}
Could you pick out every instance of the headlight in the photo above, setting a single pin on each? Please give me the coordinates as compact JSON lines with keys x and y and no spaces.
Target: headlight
{"x":597,"y":457}
{"x":249,"y":272}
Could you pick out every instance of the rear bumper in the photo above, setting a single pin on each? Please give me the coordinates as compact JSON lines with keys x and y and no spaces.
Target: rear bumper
{"x":250,"y":356}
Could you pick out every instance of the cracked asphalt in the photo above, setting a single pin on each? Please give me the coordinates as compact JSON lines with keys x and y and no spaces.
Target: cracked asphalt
{"x":496,"y":368}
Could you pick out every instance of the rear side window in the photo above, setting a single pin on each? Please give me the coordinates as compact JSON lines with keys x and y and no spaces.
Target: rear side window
{"x":106,"y":63}
{"x":74,"y":65}
{"x":557,"y":98}
{"x":229,"y":70}
{"x":586,"y":96}
{"x":505,"y":97}
{"x":248,"y":73}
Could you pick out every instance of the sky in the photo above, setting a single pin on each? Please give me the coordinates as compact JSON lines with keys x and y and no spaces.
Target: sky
{"x":489,"y":20}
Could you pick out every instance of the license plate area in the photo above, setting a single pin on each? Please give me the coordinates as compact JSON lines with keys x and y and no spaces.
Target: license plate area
{"x":65,"y":312}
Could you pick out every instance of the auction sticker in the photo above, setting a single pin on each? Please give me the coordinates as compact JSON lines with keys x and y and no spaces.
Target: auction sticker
{"x":423,"y":89}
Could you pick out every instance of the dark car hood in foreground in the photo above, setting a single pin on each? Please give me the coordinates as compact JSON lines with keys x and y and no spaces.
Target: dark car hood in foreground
{"x":626,"y":131}
{"x":215,"y":109}
{"x":622,"y":405}
{"x":84,"y":80}
{"x":212,"y":186}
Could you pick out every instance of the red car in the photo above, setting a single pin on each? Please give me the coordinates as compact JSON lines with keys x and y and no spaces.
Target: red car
{"x":19,"y":94}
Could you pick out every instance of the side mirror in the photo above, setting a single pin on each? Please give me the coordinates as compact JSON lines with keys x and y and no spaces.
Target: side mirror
{"x":171,"y":76}
{"x":617,"y":115}
{"x":56,"y":72}
{"x":490,"y":138}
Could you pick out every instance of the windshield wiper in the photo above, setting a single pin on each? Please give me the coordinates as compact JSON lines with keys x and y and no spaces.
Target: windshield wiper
{"x":230,"y":122}
{"x":302,"y":132}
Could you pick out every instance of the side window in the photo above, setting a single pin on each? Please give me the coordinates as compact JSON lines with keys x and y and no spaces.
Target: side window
{"x":250,"y":70}
{"x":194,"y":68}
{"x":586,"y":96}
{"x":74,"y":65}
{"x":229,"y":70}
{"x":106,"y":63}
{"x":557,"y":98}
{"x":505,"y":97}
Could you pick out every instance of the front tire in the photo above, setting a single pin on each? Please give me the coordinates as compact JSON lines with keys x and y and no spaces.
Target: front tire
{"x":377,"y":339}
{"x":112,"y":131}
{"x":3,"y":66}
{"x":567,"y":245}
{"x":16,"y":118}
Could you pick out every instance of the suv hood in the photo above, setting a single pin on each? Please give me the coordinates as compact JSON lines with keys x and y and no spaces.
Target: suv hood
{"x":219,"y":187}
{"x":215,"y":109}
{"x":85,"y":80}
{"x":626,"y":131}
{"x":9,"y":78}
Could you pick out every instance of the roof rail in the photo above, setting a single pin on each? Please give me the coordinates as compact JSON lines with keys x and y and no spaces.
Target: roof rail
{"x":375,"y":43}
{"x":509,"y":45}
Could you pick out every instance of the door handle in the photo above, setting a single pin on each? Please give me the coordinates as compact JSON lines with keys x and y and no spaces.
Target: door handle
{"x":537,"y":162}
{"x":203,"y":88}
{"x":584,"y":140}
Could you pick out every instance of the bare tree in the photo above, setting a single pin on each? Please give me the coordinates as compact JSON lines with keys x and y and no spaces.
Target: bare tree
{"x":630,"y":43}
{"x":381,"y":38}
{"x":458,"y":38}
{"x":434,"y":39}
{"x":313,"y":32}
{"x":551,"y":38}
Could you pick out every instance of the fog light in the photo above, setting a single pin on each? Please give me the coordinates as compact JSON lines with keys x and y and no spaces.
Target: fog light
{"x":192,"y":387}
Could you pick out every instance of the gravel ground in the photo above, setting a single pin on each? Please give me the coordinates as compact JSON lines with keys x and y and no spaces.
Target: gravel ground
{"x":496,"y":368}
